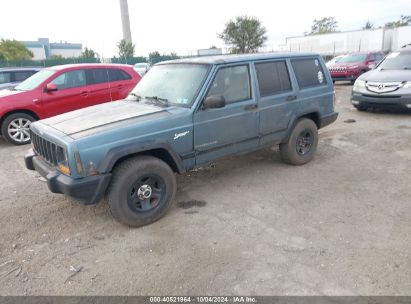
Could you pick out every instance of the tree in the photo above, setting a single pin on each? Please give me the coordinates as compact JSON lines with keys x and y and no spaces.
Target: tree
{"x":368,"y":25}
{"x":125,"y":49}
{"x":14,"y":50}
{"x":88,"y":53}
{"x":244,"y":34}
{"x":154,"y":57}
{"x":404,"y":20}
{"x":324,"y":25}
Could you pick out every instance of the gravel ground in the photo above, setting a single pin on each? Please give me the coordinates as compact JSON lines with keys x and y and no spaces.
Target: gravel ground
{"x":340,"y":225}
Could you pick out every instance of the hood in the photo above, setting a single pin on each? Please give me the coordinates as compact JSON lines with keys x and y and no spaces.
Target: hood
{"x":5,"y":93}
{"x":387,"y":75}
{"x":108,"y":115}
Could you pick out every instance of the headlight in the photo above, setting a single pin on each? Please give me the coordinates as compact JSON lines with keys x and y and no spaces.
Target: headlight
{"x":359,"y":84}
{"x":407,"y":85}
{"x":353,"y":67}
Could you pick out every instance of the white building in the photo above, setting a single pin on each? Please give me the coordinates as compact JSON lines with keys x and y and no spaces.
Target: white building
{"x":330,"y":44}
{"x":43,"y":49}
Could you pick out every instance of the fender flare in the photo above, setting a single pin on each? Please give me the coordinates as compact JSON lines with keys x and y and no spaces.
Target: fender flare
{"x":117,"y":153}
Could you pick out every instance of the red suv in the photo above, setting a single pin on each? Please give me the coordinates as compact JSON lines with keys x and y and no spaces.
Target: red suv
{"x":61,"y":89}
{"x":353,"y":65}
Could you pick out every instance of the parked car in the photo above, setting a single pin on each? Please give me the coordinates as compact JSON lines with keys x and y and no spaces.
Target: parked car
{"x":181,"y":115}
{"x":10,"y":77}
{"x":334,"y":60}
{"x":351,"y":66}
{"x":387,"y":86}
{"x":61,"y":89}
{"x":141,"y":68}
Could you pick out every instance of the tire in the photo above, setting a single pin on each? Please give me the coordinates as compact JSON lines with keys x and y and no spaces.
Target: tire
{"x":141,"y":191}
{"x":302,"y":143}
{"x":16,"y":128}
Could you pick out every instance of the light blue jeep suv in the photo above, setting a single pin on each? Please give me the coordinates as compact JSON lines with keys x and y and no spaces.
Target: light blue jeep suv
{"x":183,"y":114}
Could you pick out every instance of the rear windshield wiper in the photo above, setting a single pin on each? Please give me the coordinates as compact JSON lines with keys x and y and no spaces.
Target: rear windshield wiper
{"x":163,"y":101}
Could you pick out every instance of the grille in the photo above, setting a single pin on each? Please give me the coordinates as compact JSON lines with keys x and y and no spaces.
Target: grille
{"x":49,"y":151}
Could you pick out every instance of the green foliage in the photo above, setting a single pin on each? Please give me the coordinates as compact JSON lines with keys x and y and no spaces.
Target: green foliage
{"x":368,"y":25}
{"x":244,"y":34}
{"x":128,"y":60}
{"x":125,"y":49}
{"x":14,"y":50}
{"x":155,"y":57}
{"x":88,"y":53}
{"x":324,"y":25}
{"x":404,"y":20}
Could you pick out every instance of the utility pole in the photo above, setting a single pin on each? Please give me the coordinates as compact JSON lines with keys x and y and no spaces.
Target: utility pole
{"x":125,"y":20}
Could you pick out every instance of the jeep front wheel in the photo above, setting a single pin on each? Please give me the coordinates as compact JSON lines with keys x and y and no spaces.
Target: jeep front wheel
{"x":302,"y":143}
{"x":141,"y":190}
{"x":16,"y":128}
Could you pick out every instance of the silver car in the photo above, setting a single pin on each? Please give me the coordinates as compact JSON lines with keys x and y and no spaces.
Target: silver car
{"x":11,"y":77}
{"x":387,"y":86}
{"x":141,"y":68}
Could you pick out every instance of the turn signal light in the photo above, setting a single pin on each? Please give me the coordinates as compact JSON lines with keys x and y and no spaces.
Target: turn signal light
{"x":64,"y":169}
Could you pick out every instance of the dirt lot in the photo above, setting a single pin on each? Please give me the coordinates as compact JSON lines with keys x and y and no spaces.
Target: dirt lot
{"x":340,"y":225}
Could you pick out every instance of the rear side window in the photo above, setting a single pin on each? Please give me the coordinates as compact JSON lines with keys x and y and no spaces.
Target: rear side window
{"x":233,"y":83}
{"x":309,"y":72}
{"x":273,"y":78}
{"x":5,"y":78}
{"x":117,"y":74}
{"x":20,"y":76}
{"x":95,"y":76}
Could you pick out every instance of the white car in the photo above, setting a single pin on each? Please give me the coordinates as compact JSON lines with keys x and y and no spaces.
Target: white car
{"x":141,"y":68}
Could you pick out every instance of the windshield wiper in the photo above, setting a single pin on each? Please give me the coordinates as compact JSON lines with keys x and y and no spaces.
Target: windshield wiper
{"x":138,"y":97}
{"x":163,"y":101}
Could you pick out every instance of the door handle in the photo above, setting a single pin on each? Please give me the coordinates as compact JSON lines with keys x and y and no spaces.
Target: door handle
{"x":250,"y":107}
{"x":84,"y":93}
{"x":291,"y":97}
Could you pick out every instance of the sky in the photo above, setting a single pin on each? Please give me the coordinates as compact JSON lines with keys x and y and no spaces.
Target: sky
{"x":180,"y":26}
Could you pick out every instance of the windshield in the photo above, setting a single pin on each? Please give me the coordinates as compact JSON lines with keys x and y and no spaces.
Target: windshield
{"x":176,"y":84}
{"x":396,"y":61}
{"x":353,"y":58}
{"x":34,"y":81}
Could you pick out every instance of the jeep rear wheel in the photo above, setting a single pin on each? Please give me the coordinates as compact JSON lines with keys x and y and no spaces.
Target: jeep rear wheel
{"x":302,"y":143}
{"x":16,"y":128}
{"x":141,"y":190}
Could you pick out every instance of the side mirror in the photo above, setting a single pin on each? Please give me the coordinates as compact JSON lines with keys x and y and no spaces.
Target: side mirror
{"x":214,"y":102}
{"x":50,"y":87}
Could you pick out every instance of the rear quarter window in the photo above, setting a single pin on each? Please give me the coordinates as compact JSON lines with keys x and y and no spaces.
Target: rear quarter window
{"x":308,"y":72}
{"x":117,"y":75}
{"x":5,"y":77}
{"x":21,"y":76}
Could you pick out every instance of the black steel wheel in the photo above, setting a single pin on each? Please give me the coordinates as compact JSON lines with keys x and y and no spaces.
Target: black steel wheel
{"x":301,"y":144}
{"x":141,"y":190}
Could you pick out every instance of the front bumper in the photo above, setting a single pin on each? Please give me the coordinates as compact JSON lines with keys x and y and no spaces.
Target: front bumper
{"x":87,"y":190}
{"x":385,"y":101}
{"x":345,"y":75}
